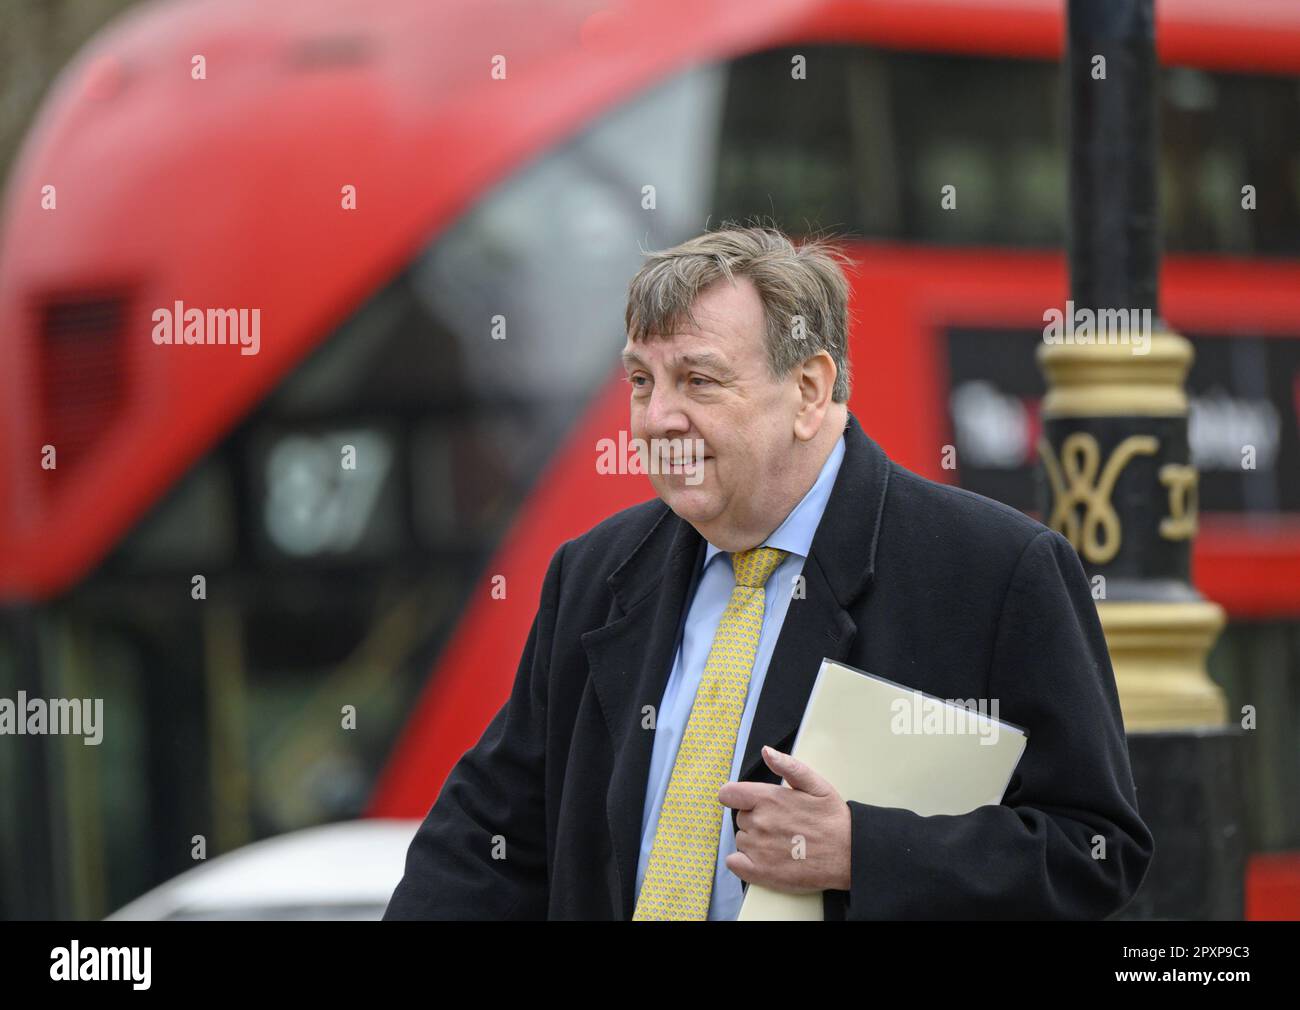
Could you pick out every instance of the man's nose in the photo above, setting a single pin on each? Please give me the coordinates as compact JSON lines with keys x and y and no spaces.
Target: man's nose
{"x":664,"y":414}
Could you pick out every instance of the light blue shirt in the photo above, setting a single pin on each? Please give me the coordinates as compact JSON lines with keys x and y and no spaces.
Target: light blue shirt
{"x":713,"y":588}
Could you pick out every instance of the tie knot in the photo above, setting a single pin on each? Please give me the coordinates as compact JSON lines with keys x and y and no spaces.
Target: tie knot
{"x":752,"y":567}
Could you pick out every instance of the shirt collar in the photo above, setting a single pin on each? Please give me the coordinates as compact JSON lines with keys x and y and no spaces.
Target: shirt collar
{"x":795,"y":535}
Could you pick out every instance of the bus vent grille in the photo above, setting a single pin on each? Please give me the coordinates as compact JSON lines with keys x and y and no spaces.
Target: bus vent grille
{"x":81,"y":375}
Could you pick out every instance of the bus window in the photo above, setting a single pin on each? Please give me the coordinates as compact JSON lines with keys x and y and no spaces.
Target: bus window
{"x":867,"y":141}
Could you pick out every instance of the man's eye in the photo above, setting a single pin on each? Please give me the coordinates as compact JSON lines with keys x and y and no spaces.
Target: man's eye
{"x":633,"y":379}
{"x":701,"y":378}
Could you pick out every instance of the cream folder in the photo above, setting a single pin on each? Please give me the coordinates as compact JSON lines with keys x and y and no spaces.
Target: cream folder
{"x":891,"y":746}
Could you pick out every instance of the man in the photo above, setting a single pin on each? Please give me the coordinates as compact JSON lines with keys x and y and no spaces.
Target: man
{"x":635,"y":770}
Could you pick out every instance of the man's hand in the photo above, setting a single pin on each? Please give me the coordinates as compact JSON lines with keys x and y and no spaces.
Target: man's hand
{"x":794,"y":839}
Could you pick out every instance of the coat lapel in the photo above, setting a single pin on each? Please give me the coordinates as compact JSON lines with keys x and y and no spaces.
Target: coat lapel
{"x":815,"y":627}
{"x":839,"y":569}
{"x":631,"y":656}
{"x":630,"y":660}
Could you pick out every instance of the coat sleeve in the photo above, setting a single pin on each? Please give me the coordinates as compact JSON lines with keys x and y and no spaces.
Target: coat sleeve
{"x":1037,"y":855}
{"x":481,"y":852}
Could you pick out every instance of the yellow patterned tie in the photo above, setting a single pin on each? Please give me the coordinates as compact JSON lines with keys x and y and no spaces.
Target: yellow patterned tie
{"x":683,"y":858}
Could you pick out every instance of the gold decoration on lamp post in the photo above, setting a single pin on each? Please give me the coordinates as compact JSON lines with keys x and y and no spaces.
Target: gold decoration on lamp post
{"x":1121,"y":487}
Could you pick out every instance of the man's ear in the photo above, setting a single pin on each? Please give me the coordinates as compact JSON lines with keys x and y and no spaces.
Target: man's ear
{"x":816,"y":383}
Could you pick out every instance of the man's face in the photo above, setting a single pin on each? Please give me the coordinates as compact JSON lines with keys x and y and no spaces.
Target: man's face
{"x":712,"y":383}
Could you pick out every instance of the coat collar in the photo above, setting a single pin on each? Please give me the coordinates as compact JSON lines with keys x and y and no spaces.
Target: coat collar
{"x":631,"y":657}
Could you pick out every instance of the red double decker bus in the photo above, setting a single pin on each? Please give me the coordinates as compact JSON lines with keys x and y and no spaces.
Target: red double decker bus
{"x":435,"y":210}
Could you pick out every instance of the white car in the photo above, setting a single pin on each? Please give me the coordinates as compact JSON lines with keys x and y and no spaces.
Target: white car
{"x":336,"y":871}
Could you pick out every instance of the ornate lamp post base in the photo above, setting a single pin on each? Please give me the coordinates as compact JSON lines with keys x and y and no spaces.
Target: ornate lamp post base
{"x":1158,"y":651}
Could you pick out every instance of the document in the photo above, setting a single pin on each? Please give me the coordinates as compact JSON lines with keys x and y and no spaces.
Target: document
{"x":886,"y":745}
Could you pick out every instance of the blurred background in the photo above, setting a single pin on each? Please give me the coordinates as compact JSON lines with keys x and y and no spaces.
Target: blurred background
{"x":206,"y":152}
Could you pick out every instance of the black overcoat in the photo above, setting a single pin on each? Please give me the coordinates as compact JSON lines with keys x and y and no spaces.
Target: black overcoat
{"x":922,"y":583}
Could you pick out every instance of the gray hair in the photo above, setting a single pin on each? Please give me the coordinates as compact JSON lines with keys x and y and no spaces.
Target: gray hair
{"x":803,"y":290}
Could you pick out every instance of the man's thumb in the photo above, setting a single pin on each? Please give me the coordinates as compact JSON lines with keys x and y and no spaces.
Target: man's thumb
{"x":797,"y":774}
